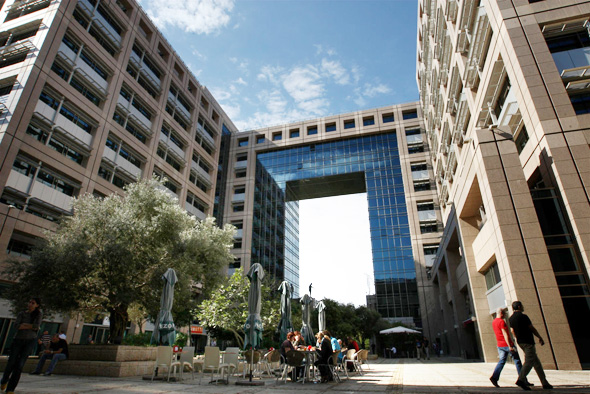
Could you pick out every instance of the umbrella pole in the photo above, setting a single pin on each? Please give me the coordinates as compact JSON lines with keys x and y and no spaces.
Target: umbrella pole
{"x":251,"y":362}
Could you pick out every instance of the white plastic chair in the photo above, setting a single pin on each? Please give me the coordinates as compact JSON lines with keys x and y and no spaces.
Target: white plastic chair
{"x":231,"y":360}
{"x":165,"y":359}
{"x":186,"y":359}
{"x":211,"y":362}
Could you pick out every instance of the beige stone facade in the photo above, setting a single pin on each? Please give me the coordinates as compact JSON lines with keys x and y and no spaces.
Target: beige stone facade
{"x":504,"y":91}
{"x":93,"y":96}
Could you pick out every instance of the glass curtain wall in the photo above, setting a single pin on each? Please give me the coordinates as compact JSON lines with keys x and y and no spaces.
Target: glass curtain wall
{"x":275,"y":223}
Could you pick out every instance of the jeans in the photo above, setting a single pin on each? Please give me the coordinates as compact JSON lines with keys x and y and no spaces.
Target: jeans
{"x":19,"y":352}
{"x":54,"y":359}
{"x":531,"y":360}
{"x":503,"y":355}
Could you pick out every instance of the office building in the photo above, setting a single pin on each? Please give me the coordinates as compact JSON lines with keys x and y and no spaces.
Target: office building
{"x":505,"y":91}
{"x":92,"y":96}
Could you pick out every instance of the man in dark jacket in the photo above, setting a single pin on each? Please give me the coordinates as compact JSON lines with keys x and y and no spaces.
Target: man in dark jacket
{"x":523,"y":330}
{"x":58,"y":350}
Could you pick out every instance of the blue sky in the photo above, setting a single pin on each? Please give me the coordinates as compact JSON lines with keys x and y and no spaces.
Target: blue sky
{"x":273,"y":62}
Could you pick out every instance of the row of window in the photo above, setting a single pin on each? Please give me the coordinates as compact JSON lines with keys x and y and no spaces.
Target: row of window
{"x":329,"y":127}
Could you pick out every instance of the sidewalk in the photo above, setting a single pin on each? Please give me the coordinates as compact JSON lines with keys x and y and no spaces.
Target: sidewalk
{"x":437,"y":375}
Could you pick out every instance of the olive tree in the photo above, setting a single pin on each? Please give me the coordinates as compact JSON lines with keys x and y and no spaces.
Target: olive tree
{"x":112,"y":252}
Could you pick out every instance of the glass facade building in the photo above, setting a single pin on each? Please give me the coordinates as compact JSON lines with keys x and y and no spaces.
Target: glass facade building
{"x":368,"y":164}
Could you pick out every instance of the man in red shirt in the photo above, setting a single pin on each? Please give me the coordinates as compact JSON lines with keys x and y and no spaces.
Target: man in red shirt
{"x":505,"y":346}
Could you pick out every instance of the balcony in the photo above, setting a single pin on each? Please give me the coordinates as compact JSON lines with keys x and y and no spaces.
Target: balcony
{"x":451,"y":10}
{"x":86,"y":7}
{"x":92,"y":76}
{"x":201,"y":173}
{"x":421,"y":175}
{"x":62,"y":124}
{"x":179,"y":153}
{"x":194,"y":211}
{"x":463,"y":115}
{"x":240,"y":165}
{"x":414,"y":139}
{"x":179,"y":107}
{"x":67,"y":55}
{"x":105,"y":27}
{"x":429,"y":260}
{"x":427,"y":216}
{"x":476,"y":48}
{"x":15,"y":49}
{"x":239,"y":197}
{"x":496,"y":298}
{"x":139,"y":117}
{"x":205,"y":135}
{"x":121,"y":163}
{"x":152,"y":78}
{"x":39,"y":191}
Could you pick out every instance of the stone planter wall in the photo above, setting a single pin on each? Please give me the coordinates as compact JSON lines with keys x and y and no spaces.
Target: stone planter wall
{"x":112,"y":353}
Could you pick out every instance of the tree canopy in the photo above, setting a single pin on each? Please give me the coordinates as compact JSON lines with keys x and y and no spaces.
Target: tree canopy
{"x":227,"y":306}
{"x":111,"y":253}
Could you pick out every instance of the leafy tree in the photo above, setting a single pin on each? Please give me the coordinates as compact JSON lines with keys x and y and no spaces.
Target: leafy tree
{"x":341,"y":320}
{"x":227,"y":306}
{"x":368,"y":320}
{"x":113,"y":251}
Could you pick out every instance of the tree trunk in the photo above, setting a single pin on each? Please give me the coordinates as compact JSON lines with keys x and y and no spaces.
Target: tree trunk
{"x":118,"y":323}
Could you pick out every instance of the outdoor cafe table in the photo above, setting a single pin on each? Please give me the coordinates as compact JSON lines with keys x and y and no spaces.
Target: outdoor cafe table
{"x":310,"y":357}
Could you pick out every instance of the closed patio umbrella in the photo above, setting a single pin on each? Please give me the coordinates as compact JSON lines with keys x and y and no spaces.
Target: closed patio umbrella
{"x":164,"y":330}
{"x":285,"y":324}
{"x":253,"y":326}
{"x":306,"y":330}
{"x":321,"y":307}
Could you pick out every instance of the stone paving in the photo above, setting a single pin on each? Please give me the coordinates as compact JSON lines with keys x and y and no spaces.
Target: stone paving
{"x":438,"y":375}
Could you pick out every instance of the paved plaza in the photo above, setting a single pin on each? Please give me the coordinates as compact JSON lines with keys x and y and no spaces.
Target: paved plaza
{"x":438,"y":375}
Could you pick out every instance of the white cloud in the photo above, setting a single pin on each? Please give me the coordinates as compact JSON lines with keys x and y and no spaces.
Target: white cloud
{"x":220,"y":94}
{"x":303,"y":83}
{"x":194,"y":16}
{"x":374,"y":90}
{"x":240,"y":81}
{"x":321,"y":50}
{"x":334,"y":69}
{"x":270,"y":74}
{"x":233,"y":111}
{"x":199,"y":54}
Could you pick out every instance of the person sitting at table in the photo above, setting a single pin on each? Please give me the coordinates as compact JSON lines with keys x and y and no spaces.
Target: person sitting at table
{"x":342,"y":351}
{"x":287,"y":345}
{"x":299,"y":343}
{"x":319,"y":336}
{"x":324,"y":355}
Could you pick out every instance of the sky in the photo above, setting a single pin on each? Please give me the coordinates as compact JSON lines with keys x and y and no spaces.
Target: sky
{"x":271,"y":62}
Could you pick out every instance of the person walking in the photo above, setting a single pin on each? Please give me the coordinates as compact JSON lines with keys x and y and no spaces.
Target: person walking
{"x":505,"y":346}
{"x":523,"y":330}
{"x":27,"y":324}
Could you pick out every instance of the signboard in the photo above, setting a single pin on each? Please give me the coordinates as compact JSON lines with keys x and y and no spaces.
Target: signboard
{"x":197,"y":330}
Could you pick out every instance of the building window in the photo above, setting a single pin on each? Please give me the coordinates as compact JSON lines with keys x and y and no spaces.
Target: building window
{"x":416,"y":149}
{"x":425,"y":206}
{"x":407,"y":115}
{"x":420,"y":186}
{"x":521,"y":139}
{"x":243,"y":142}
{"x":369,"y":121}
{"x":504,"y":90}
{"x":428,"y":228}
{"x":240,"y":174}
{"x":277,"y":136}
{"x":294,"y":133}
{"x":388,"y":118}
{"x":238,"y":208}
{"x":330,"y":127}
{"x":312,"y":130}
{"x":581,"y":103}
{"x":260,"y":139}
{"x":492,"y":276}
{"x":349,"y":124}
